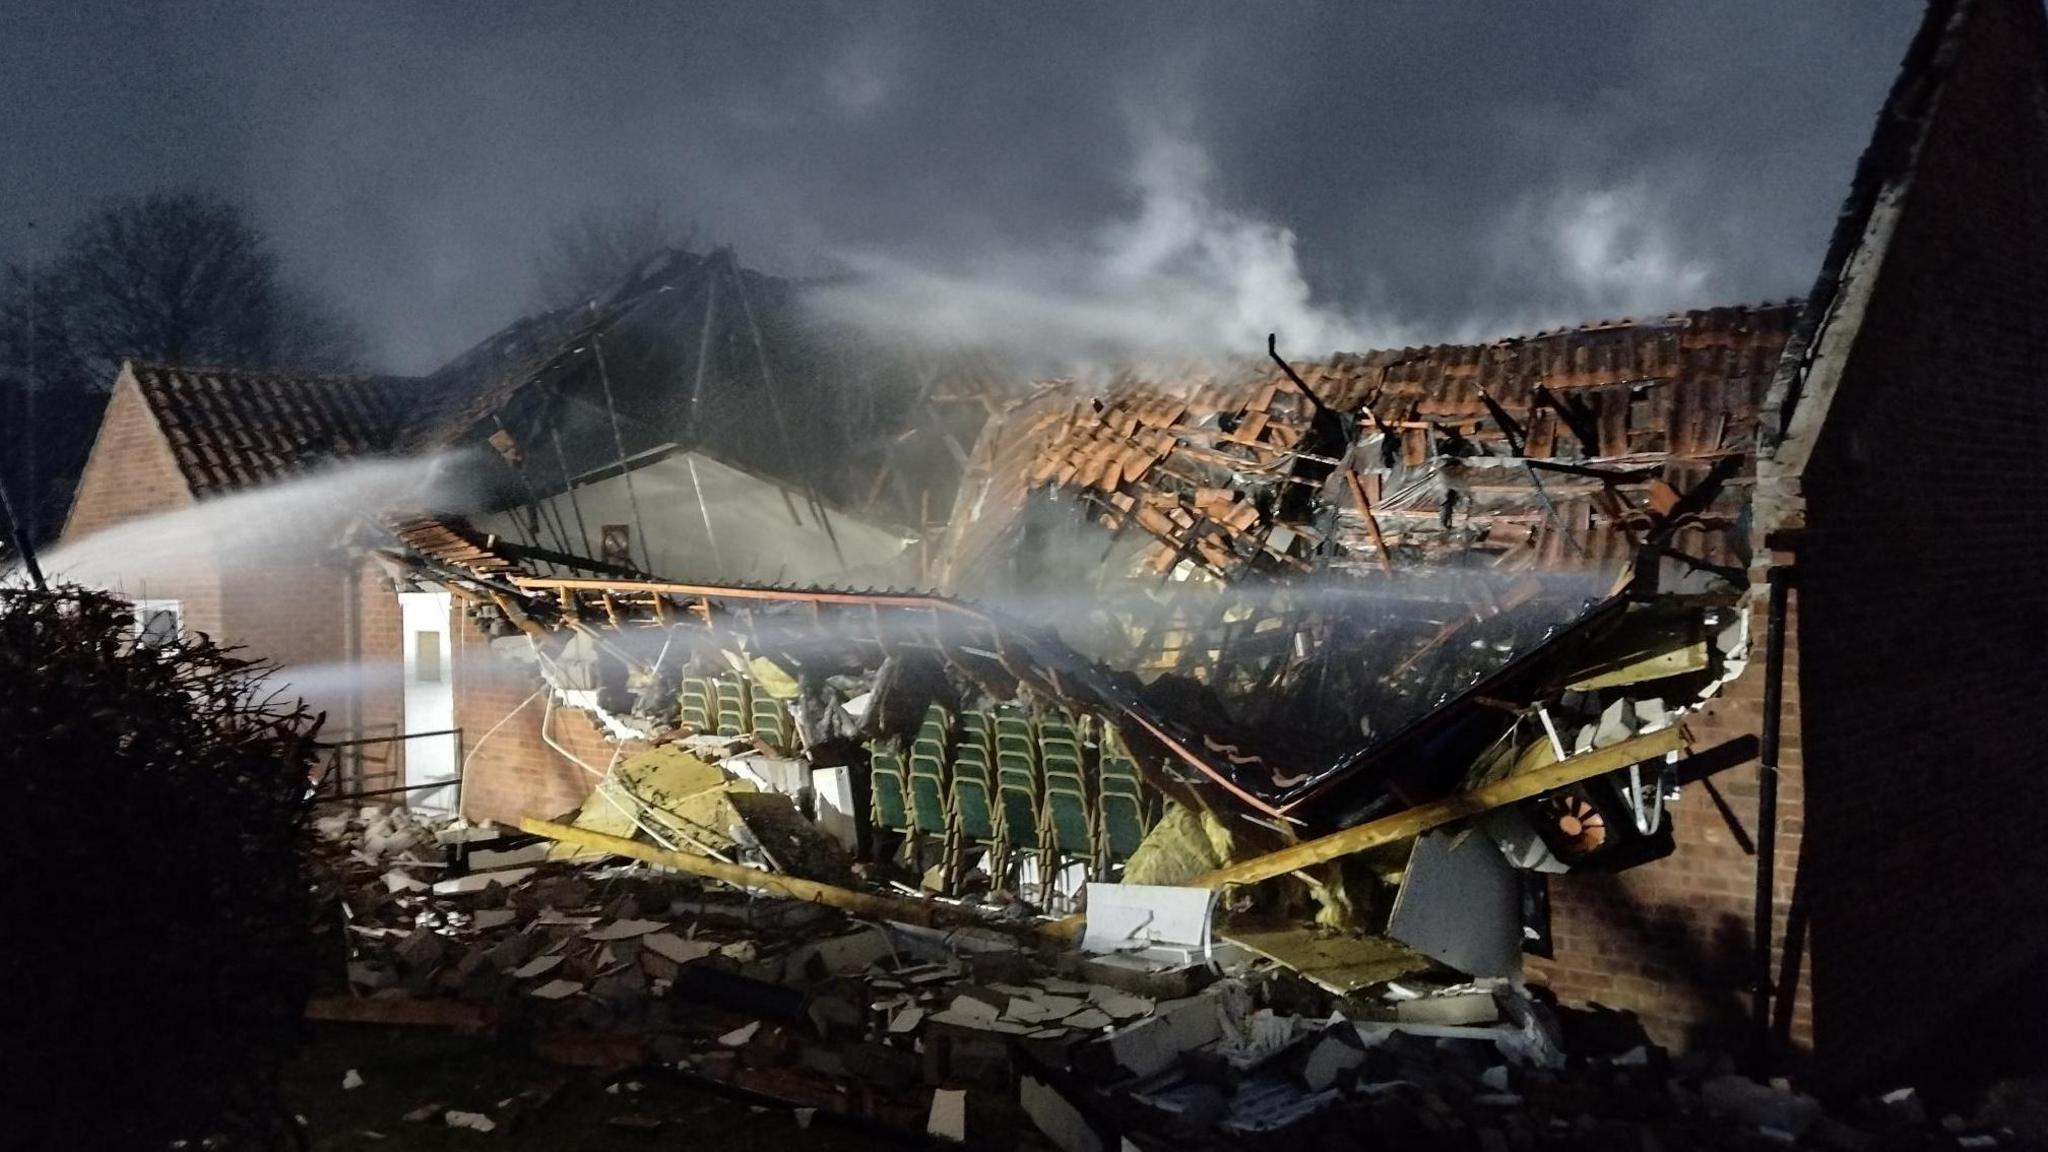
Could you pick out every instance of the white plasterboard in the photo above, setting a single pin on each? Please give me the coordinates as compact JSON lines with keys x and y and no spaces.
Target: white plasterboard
{"x":1133,"y":917}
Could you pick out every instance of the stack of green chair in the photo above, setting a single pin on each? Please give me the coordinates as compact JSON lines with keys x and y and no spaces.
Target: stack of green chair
{"x":1017,"y":779}
{"x":771,"y":722}
{"x":697,"y":711}
{"x":891,"y":803}
{"x":974,"y":797}
{"x":928,"y":793}
{"x":1120,"y":801}
{"x":730,"y":694}
{"x":1068,"y":814}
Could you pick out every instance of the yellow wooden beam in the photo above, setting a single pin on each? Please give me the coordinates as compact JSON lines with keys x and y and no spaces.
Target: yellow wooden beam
{"x":927,"y":913}
{"x":1422,"y":818}
{"x":1415,"y":821}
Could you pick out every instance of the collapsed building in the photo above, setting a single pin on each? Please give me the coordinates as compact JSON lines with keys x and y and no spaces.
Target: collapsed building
{"x":1658,"y":650}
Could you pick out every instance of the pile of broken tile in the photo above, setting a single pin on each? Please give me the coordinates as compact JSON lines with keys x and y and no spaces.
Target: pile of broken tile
{"x":976,"y":1035}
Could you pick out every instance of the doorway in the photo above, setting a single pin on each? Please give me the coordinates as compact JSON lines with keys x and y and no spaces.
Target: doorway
{"x":430,"y":744}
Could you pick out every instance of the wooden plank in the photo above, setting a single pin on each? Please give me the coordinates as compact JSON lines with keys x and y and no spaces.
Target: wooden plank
{"x":1372,"y":522}
{"x":1415,"y":821}
{"x":424,"y":1012}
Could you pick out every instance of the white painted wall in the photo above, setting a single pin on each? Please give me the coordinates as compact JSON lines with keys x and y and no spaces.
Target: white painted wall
{"x":751,"y":538}
{"x":429,"y":697}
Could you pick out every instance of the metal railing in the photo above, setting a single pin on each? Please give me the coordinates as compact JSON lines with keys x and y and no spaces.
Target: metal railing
{"x":331,"y":781}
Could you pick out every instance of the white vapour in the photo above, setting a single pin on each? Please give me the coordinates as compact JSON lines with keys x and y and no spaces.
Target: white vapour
{"x":1181,"y":279}
{"x":278,"y":526}
{"x":1602,"y":253}
{"x":1184,"y":279}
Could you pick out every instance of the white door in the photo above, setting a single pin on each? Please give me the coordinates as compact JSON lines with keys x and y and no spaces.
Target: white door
{"x":429,"y":699}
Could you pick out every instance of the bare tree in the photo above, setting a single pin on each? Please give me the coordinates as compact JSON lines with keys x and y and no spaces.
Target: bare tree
{"x":589,"y":256}
{"x":182,"y":277}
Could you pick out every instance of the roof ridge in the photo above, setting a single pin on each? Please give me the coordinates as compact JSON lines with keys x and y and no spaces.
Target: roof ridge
{"x":245,"y":372}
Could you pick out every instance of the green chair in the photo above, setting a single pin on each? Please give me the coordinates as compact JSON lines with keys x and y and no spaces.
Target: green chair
{"x":1122,"y":824}
{"x":1014,"y":721}
{"x":978,"y":724}
{"x":732,"y":716}
{"x":928,"y":807}
{"x":1057,"y":749}
{"x":1017,"y":792}
{"x":983,"y":758}
{"x":973,"y":812}
{"x":771,"y":722}
{"x":1068,"y":816}
{"x":698,"y":713}
{"x":891,"y":794}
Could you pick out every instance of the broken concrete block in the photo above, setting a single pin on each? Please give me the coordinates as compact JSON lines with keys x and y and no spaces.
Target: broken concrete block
{"x":1088,"y":1019}
{"x":1617,"y":723}
{"x":948,"y":1118}
{"x":513,"y":951}
{"x":1906,"y":1104}
{"x":625,"y":930}
{"x":1057,"y":1117}
{"x":475,"y":1121}
{"x":674,"y":948}
{"x":738,"y":1037}
{"x":478,"y":881}
{"x":839,"y":955}
{"x":557,"y":989}
{"x":423,"y":948}
{"x":489,"y":918}
{"x":835,"y":1016}
{"x":625,"y":990}
{"x":491,"y":859}
{"x":539,"y":965}
{"x":351,"y":1080}
{"x":398,"y":881}
{"x":1153,"y":1044}
{"x":1119,"y":1006}
{"x":906,"y":1021}
{"x":1338,"y":1051}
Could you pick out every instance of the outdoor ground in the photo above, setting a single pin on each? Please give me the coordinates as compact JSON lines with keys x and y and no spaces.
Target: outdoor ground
{"x":404,"y":1068}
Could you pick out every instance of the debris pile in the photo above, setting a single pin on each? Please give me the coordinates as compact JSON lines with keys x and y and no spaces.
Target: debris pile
{"x":991,"y":1035}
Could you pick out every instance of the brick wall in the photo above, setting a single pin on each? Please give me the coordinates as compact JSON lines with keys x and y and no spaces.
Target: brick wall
{"x":292,"y":611}
{"x":1673,"y":940}
{"x":130,"y":475}
{"x":1923,"y":606}
{"x":512,"y":772}
{"x":379,"y":703}
{"x":1909,"y":881}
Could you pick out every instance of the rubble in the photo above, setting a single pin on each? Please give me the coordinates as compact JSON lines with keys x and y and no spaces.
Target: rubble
{"x":938,"y":1033}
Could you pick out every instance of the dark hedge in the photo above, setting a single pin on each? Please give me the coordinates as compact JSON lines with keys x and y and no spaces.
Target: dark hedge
{"x":154,"y":902}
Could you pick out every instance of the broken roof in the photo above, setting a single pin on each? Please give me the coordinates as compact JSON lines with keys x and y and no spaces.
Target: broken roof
{"x":1539,"y":452}
{"x":232,"y":428}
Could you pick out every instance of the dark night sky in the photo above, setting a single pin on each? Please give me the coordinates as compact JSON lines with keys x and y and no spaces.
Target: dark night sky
{"x":1166,"y":172}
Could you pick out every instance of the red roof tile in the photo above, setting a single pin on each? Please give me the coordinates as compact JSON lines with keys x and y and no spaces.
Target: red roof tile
{"x":234,"y":428}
